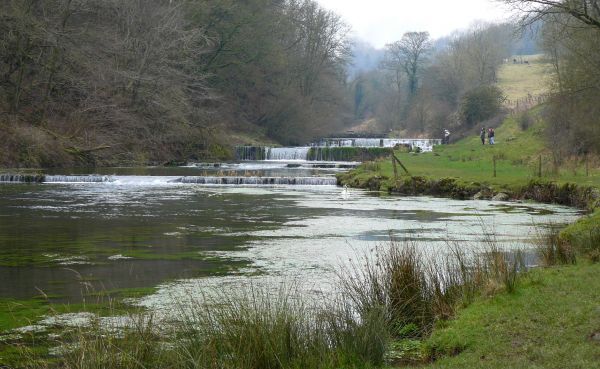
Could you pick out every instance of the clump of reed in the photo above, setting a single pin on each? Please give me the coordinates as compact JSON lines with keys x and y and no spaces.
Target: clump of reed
{"x":397,"y":292}
{"x":248,"y":330}
{"x":253,"y":329}
{"x":415,"y":290}
{"x":552,"y":249}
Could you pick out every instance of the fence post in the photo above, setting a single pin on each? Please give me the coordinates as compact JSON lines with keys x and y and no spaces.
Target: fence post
{"x":587,"y":166}
{"x":394,"y":165}
{"x":494,"y":166}
{"x":395,"y":158}
{"x":540,"y":166}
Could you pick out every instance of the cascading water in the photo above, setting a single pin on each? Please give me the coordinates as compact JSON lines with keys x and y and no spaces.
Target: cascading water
{"x":263,"y":181}
{"x":271,"y":153}
{"x":322,"y":150}
{"x":77,"y":179}
{"x":39,"y":178}
{"x":287,"y":153}
{"x":422,"y":144}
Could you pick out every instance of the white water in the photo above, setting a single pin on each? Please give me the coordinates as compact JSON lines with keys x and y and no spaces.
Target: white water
{"x":175,"y":180}
{"x":261,"y":181}
{"x":277,"y":164}
{"x":77,"y":179}
{"x":426,"y":145}
{"x":287,"y":153}
{"x":17,"y":178}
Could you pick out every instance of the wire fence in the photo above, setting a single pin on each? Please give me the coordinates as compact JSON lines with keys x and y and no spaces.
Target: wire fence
{"x":520,"y":105}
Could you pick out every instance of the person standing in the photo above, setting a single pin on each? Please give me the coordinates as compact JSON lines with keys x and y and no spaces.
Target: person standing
{"x":446,"y":137}
{"x":482,"y":135}
{"x":491,"y":135}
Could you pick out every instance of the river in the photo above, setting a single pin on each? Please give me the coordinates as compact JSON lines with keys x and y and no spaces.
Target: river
{"x":143,"y":227}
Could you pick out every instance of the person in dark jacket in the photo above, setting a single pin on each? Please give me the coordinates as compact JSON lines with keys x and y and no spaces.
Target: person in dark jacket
{"x":482,"y":135}
{"x":446,"y":139}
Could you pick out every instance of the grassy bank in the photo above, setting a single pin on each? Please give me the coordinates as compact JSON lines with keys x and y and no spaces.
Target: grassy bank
{"x":519,"y":165}
{"x":552,"y":318}
{"x":547,"y":323}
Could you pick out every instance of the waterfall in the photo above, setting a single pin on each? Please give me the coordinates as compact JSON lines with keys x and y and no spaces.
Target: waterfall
{"x":77,"y":179}
{"x":425,"y":145}
{"x":261,"y":181}
{"x":331,"y":149}
{"x":368,"y":142}
{"x":271,"y":153}
{"x":287,"y":153}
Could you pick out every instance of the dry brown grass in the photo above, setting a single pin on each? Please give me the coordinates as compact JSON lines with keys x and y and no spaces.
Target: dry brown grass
{"x":517,"y":81}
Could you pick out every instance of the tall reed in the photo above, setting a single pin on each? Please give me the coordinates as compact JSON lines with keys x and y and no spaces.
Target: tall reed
{"x":252,"y":330}
{"x":415,"y":289}
{"x":552,"y":250}
{"x":398,"y":291}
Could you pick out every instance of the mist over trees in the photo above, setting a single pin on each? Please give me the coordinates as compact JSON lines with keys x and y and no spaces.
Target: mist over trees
{"x":93,"y":81}
{"x":423,"y":86}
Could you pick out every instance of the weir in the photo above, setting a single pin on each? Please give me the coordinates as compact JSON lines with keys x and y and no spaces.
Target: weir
{"x":323,"y":150}
{"x":21,"y":178}
{"x":39,"y":178}
{"x":271,"y":153}
{"x":423,"y":144}
{"x":261,"y":181}
{"x":77,"y":179}
{"x":314,"y":153}
{"x":287,"y":153}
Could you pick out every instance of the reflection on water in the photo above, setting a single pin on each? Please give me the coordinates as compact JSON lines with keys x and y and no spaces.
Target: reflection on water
{"x":145,"y":231}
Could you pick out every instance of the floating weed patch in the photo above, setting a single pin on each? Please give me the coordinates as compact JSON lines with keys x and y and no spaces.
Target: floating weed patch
{"x":406,"y":351}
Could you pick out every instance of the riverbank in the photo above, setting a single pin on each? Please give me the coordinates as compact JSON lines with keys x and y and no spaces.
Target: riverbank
{"x":519,"y":167}
{"x":349,"y":336}
{"x":552,"y":319}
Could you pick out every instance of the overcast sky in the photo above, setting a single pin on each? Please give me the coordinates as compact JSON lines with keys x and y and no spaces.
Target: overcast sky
{"x":384,"y":21}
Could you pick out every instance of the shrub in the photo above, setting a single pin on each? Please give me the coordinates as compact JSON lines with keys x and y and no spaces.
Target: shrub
{"x":480,"y":104}
{"x":524,"y":120}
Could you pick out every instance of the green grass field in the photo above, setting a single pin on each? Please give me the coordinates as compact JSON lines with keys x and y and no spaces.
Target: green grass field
{"x":517,"y":154}
{"x":547,"y":323}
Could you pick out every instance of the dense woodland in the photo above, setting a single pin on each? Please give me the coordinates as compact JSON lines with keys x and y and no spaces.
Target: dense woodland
{"x":139,"y":81}
{"x":98,"y":82}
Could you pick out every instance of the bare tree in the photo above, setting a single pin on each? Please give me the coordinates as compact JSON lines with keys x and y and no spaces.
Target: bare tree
{"x":409,"y":54}
{"x":586,"y":11}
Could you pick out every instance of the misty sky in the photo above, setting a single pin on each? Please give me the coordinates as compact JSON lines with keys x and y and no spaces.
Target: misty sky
{"x":384,"y":21}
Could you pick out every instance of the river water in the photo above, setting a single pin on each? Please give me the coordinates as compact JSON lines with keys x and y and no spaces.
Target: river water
{"x":142,"y":228}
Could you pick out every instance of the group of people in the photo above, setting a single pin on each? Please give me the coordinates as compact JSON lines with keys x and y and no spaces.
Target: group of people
{"x":490,"y":135}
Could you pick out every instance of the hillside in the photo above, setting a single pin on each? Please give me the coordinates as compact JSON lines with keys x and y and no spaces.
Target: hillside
{"x":529,"y":76}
